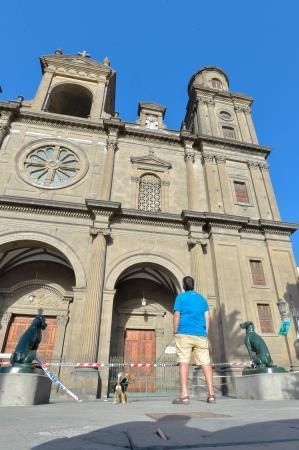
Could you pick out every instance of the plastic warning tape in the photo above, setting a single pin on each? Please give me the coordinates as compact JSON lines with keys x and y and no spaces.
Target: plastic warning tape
{"x":142,"y":364}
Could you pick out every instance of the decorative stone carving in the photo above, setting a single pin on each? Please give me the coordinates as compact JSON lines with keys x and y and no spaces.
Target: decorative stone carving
{"x":189,"y":156}
{"x":220,"y":159}
{"x":253,"y":165}
{"x":62,"y":320}
{"x":51,"y":164}
{"x":264,"y":166}
{"x":208,"y":157}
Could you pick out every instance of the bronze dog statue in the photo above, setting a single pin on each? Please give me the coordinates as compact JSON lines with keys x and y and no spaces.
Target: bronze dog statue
{"x":25,"y":351}
{"x":256,"y":346}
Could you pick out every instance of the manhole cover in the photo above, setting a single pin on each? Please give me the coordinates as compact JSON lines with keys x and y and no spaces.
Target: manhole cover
{"x":186,"y":416}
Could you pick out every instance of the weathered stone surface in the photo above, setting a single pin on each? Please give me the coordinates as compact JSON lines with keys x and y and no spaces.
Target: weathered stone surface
{"x":268,"y":386}
{"x":24,"y":389}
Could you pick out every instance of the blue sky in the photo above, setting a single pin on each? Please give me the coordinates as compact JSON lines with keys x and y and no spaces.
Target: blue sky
{"x":155,"y":47}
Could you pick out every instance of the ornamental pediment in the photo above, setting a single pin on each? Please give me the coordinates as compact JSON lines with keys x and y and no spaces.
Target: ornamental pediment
{"x":75,"y":64}
{"x":150,"y":160}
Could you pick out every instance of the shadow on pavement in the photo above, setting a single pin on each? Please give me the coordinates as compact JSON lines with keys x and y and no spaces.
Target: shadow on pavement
{"x":277,"y":435}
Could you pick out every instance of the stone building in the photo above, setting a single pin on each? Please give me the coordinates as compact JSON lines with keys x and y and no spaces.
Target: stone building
{"x":101,"y":218}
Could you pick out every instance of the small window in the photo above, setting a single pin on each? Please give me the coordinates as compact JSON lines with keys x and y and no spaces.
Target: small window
{"x":225,"y":115}
{"x":241,"y":192}
{"x":149,"y":193}
{"x":228,"y":132}
{"x":216,"y":84}
{"x":265,"y":318}
{"x":257,"y":272}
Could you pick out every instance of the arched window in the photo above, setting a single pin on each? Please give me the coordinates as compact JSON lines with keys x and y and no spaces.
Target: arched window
{"x":216,"y":84}
{"x":228,"y":132}
{"x":70,"y":99}
{"x":149,"y":193}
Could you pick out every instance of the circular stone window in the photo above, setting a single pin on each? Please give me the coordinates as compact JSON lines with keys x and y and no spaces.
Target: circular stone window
{"x":225,"y":115}
{"x":52,"y":164}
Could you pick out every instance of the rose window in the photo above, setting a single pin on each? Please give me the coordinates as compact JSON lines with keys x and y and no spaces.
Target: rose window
{"x":52,"y":166}
{"x":149,"y":193}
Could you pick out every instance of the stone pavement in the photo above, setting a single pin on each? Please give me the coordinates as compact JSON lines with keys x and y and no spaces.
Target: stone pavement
{"x":92,"y":425}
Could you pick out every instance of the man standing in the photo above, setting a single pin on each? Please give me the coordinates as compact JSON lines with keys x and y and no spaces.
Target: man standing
{"x":191,"y":321}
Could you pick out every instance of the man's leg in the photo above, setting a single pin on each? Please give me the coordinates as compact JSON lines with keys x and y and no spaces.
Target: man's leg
{"x":184,"y":372}
{"x":208,"y":373}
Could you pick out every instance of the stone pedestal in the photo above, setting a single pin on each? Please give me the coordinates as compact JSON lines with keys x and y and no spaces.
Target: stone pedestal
{"x":86,"y":383}
{"x":24,"y":389}
{"x":268,"y":386}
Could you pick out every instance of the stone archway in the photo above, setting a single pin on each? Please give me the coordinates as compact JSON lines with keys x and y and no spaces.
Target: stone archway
{"x":138,"y":308}
{"x":35,"y":276}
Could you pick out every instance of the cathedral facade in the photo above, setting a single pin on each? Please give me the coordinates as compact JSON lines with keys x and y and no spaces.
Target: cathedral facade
{"x":100,"y":219}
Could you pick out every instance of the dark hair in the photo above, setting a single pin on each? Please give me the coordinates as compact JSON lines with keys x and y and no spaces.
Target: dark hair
{"x":188,"y":283}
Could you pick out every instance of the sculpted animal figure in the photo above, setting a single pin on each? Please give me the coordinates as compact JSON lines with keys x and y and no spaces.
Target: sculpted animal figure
{"x":28,"y":344}
{"x":256,"y":346}
{"x":121,"y":388}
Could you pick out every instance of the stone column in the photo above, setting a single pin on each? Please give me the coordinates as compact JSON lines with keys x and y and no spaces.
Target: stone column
{"x":260,"y":191}
{"x":189,"y":159}
{"x":211,"y":109}
{"x":41,"y":98}
{"x":109,"y":166}
{"x":197,"y":249}
{"x":224,"y":183}
{"x":5,"y":120}
{"x":247,"y":113}
{"x":93,"y":306}
{"x":269,"y":189}
{"x":203,"y":117}
{"x":105,"y":337}
{"x":243,"y":126}
{"x":4,"y":327}
{"x":213,"y":184}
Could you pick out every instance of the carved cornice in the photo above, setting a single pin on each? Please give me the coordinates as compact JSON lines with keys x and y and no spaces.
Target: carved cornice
{"x":239,"y":223}
{"x":244,"y":147}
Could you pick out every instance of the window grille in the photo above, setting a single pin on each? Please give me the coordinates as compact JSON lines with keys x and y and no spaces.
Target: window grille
{"x":149,"y":193}
{"x":257,"y":272}
{"x":241,"y":192}
{"x":228,"y":132}
{"x":265,"y":318}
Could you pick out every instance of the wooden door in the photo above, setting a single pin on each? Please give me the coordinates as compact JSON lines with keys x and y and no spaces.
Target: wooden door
{"x":20,"y":324}
{"x":140,"y":346}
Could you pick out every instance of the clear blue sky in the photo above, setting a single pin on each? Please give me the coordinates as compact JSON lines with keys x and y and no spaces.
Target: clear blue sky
{"x":155,"y":46}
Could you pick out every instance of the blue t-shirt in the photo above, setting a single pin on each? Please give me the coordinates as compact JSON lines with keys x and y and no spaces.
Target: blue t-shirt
{"x":192,"y":307}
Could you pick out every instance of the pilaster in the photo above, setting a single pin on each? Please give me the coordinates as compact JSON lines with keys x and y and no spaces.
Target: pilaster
{"x":111,"y":147}
{"x":260,"y":191}
{"x":213,"y":182}
{"x":243,"y":125}
{"x":189,"y":160}
{"x":247,"y":113}
{"x":269,"y":189}
{"x":92,"y":313}
{"x":224,"y":183}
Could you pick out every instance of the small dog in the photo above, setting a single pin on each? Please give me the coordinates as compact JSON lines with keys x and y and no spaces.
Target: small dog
{"x":121,"y":388}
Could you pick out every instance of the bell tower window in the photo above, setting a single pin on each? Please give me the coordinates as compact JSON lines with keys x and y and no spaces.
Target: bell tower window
{"x":216,"y":84}
{"x":228,"y":132}
{"x":71,"y":100}
{"x":149,"y":198}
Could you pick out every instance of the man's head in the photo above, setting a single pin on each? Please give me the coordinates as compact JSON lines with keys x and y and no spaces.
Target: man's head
{"x":188,"y":284}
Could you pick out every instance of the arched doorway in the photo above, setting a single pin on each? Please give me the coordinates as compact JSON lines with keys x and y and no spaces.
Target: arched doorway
{"x":35,"y":278}
{"x":141,"y":325}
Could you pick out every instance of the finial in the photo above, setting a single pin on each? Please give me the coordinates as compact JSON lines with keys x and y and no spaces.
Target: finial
{"x":58,"y":51}
{"x":116,"y":115}
{"x":106,"y":61}
{"x":184,"y":127}
{"x":84,"y":54}
{"x":20,"y":99}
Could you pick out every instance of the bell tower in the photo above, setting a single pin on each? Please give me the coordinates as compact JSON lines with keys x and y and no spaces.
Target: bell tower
{"x":76,"y":85}
{"x":213,"y":110}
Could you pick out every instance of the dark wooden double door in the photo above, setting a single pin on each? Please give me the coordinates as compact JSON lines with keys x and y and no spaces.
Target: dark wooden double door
{"x":140,"y":346}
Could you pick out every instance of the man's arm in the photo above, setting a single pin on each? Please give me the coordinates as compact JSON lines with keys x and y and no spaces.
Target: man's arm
{"x":208,"y":320}
{"x":176,"y":319}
